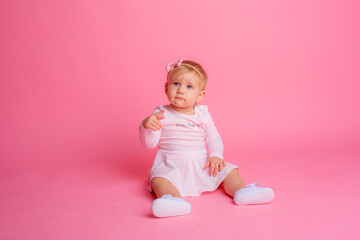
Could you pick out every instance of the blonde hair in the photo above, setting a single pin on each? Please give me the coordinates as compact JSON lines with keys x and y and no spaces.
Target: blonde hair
{"x":189,"y":66}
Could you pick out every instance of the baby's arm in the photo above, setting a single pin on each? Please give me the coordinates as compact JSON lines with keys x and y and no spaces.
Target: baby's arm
{"x":213,"y":140}
{"x":150,"y":129}
{"x":216,"y":148}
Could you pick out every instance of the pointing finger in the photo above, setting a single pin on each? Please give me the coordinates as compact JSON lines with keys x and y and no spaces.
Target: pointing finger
{"x":158,"y":115}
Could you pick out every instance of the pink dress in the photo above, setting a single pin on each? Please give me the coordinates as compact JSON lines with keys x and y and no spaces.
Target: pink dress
{"x":182,"y":150}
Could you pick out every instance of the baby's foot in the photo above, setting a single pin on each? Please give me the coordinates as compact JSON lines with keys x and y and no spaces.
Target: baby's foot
{"x":168,"y":206}
{"x":253,"y":194}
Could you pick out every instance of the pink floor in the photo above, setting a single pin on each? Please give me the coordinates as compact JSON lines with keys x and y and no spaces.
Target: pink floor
{"x":317,"y":197}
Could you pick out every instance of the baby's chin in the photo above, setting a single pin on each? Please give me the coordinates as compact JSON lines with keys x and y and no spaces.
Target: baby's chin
{"x":183,"y":106}
{"x":179,"y":102}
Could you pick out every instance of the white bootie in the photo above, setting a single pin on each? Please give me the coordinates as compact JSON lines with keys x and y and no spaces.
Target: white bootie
{"x":168,"y":206}
{"x":253,"y":194}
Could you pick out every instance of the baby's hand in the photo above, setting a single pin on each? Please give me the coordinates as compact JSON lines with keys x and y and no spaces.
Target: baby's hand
{"x":216,"y":165}
{"x":153,"y":121}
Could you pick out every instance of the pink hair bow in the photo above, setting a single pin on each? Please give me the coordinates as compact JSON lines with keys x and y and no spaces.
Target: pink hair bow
{"x":171,"y":66}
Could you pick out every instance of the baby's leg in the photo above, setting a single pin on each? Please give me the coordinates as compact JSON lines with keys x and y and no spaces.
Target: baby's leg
{"x":242,"y":194}
{"x":169,"y":202}
{"x":233,"y":182}
{"x":162,"y":186}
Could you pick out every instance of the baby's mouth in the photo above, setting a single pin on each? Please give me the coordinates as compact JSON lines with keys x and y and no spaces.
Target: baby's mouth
{"x":179,"y":98}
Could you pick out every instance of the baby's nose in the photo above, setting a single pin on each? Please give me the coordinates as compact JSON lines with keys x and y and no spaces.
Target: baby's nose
{"x":180,"y":90}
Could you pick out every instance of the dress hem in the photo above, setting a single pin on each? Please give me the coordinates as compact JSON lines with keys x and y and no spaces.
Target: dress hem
{"x":216,"y":186}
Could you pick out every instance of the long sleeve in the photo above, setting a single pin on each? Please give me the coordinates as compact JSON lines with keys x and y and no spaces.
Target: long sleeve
{"x":148,"y":137}
{"x":213,"y":140}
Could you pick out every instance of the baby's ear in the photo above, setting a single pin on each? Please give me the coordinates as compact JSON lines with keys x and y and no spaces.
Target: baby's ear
{"x":166,"y":87}
{"x":201,"y":96}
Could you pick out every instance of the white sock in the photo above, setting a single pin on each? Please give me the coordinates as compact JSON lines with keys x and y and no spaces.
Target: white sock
{"x":168,"y":206}
{"x":253,"y":194}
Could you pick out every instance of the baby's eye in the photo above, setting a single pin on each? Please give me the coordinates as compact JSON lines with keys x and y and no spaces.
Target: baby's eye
{"x":189,"y":86}
{"x":176,"y":83}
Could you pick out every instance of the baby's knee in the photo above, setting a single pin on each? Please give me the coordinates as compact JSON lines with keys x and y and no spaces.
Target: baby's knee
{"x":156,"y":181}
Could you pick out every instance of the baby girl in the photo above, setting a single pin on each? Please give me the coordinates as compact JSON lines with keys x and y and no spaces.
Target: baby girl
{"x":189,"y":159}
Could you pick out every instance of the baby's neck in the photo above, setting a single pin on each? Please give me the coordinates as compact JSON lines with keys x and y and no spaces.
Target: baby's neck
{"x":186,"y":111}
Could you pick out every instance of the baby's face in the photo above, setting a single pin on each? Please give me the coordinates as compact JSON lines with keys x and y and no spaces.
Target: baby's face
{"x":184,"y":90}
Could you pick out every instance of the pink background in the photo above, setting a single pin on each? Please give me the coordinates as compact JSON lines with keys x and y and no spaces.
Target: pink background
{"x":76,"y":78}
